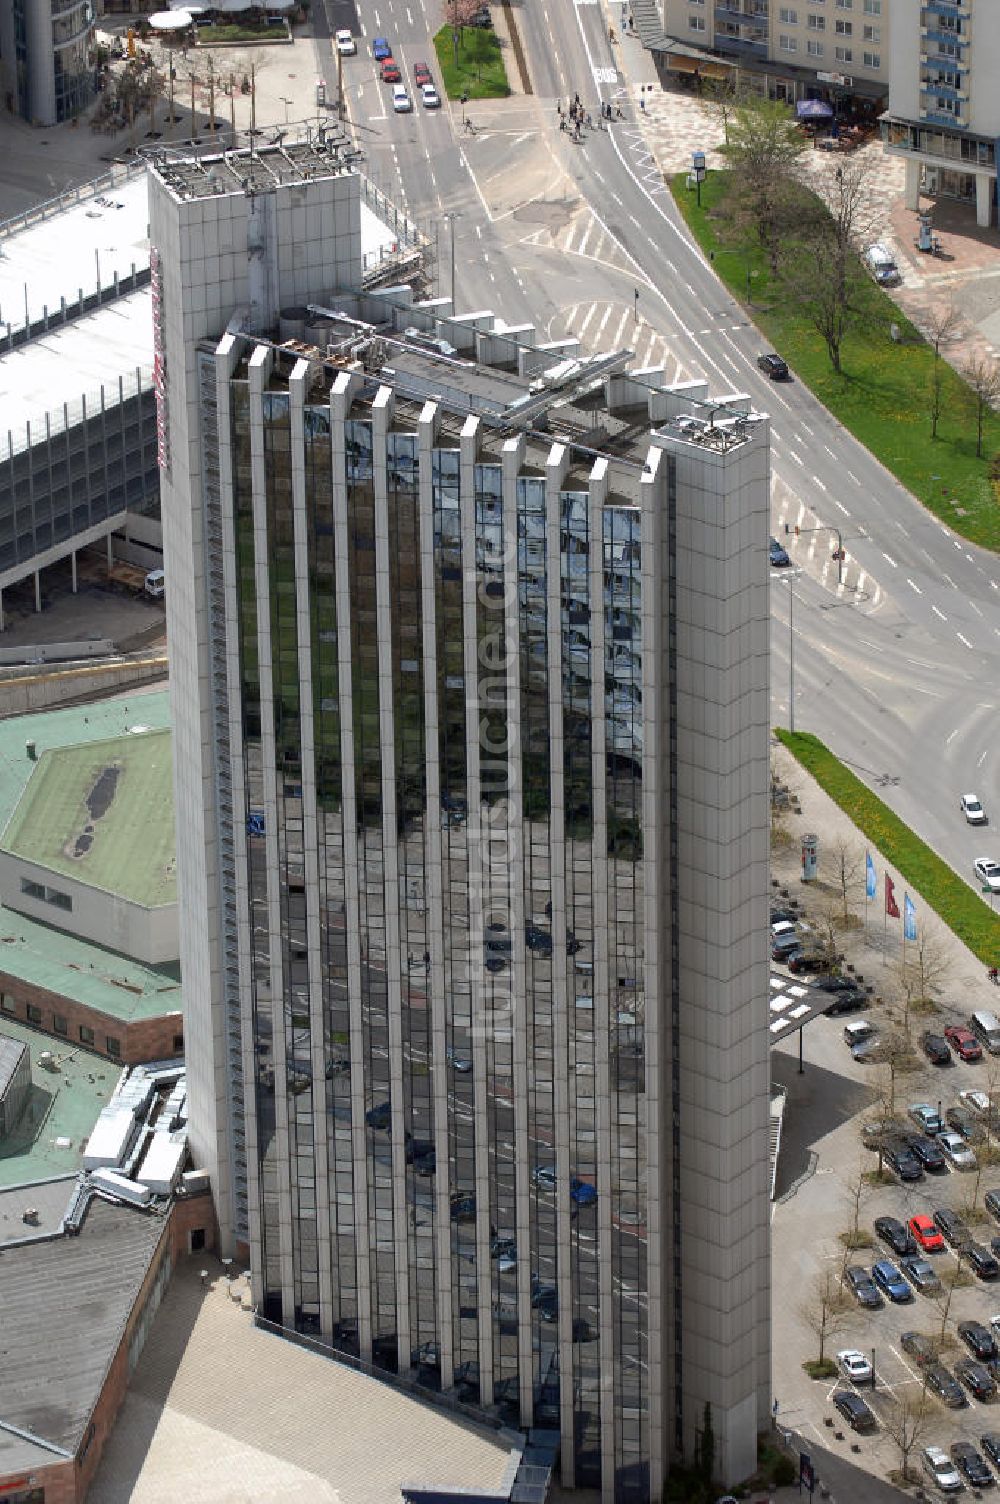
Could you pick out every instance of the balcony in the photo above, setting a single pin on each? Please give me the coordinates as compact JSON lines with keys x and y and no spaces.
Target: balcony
{"x":943,"y":35}
{"x":957,"y":10}
{"x":941,"y":89}
{"x":941,"y":117}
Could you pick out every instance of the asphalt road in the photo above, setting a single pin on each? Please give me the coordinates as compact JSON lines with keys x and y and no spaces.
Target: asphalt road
{"x":898,"y":669}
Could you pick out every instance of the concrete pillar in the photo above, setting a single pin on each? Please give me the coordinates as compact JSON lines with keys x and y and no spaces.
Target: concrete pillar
{"x":911,"y":191}
{"x":984,"y":199}
{"x":2,"y":622}
{"x":38,"y":591}
{"x":72,"y":560}
{"x":111,"y":557}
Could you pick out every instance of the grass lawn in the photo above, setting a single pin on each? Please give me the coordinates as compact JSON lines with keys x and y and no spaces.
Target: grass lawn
{"x":232,"y":33}
{"x":882,"y":395}
{"x":961,"y":907}
{"x":480,"y":73}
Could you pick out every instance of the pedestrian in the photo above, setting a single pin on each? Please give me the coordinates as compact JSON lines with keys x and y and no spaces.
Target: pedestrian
{"x":642,"y":103}
{"x":590,"y":121}
{"x":618,"y":112}
{"x":559,"y":108}
{"x":576,"y":100}
{"x":562,"y":123}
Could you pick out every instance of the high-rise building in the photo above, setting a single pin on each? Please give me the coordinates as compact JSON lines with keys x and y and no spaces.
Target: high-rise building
{"x":45,"y":67}
{"x":944,"y":111}
{"x":469,"y":665}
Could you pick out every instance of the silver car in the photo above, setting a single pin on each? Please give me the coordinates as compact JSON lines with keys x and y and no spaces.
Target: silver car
{"x":940,"y":1467}
{"x":956,"y":1151}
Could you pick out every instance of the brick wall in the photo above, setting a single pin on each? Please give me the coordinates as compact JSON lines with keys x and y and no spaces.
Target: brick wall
{"x":144,"y":1039}
{"x":59,"y":1482}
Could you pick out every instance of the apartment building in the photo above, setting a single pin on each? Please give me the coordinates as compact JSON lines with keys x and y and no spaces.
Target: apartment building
{"x":469,"y":679}
{"x":831,"y":49}
{"x":944,"y":105}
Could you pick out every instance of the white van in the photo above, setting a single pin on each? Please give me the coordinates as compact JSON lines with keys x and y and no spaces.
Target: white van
{"x":986,"y":1027}
{"x":156,"y":584}
{"x":855,"y":1032}
{"x":882,"y":265}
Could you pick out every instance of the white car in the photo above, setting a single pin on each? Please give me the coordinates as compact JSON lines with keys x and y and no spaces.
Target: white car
{"x":430,"y":98}
{"x":956,"y":1151}
{"x":345,"y":44}
{"x":972,"y":809}
{"x":977,"y":1101}
{"x":941,"y":1468}
{"x":854,"y":1365}
{"x":988,"y":873}
{"x":401,"y":101}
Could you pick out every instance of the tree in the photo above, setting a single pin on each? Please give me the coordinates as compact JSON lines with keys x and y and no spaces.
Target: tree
{"x":924,"y":966}
{"x":762,"y":145}
{"x":860,"y":1189}
{"x":941,"y":325}
{"x":983,"y":377}
{"x":848,"y":861}
{"x":819,"y":265}
{"x":458,"y":14}
{"x":826,"y":1310}
{"x":905,"y":1421}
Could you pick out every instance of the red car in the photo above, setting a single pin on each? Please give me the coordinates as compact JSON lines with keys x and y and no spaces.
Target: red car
{"x":390,"y":72}
{"x":421,"y":75}
{"x":926,"y":1234}
{"x":963,"y":1042}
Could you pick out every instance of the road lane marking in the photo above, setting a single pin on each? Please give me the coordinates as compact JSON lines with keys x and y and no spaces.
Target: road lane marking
{"x":950,"y":736}
{"x":817,"y":482}
{"x":797,"y":458}
{"x":851,"y":476}
{"x":938,"y":612}
{"x":889,"y":560}
{"x":914,"y":586}
{"x":840,"y":504}
{"x":968,"y":644}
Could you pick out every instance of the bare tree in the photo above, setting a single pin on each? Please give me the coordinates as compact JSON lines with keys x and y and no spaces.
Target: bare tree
{"x":983,"y":377}
{"x":762,"y":145}
{"x":925,"y":965}
{"x":848,"y":861}
{"x":825,"y":1310}
{"x":905,"y":1421}
{"x":940,"y":326}
{"x":858,"y":1192}
{"x":820,"y":267}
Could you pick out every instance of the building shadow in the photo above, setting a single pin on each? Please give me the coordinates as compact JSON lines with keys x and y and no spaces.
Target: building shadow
{"x":817,"y":1102}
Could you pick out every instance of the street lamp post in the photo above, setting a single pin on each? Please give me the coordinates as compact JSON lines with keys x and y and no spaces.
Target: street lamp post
{"x":286,"y":103}
{"x":827,"y":527}
{"x":873,"y":1368}
{"x":790,"y":579}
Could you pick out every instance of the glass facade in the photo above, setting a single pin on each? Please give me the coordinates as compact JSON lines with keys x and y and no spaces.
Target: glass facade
{"x":441,"y":685}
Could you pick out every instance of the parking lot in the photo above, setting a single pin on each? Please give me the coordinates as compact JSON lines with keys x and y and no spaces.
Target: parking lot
{"x":822,"y":1164}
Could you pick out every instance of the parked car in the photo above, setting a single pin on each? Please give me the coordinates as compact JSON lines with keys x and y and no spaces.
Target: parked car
{"x":902,"y":1161}
{"x":848,"y":1000}
{"x":926,"y":1117}
{"x":972,"y":809}
{"x":977,"y":1102}
{"x":891,"y":1282}
{"x":920,"y":1274}
{"x":991,"y":1201}
{"x":942,"y":1382}
{"x":802,"y":962}
{"x":963,"y":1042}
{"x":956,"y":1151}
{"x":773,"y":366}
{"x":855,"y":1366}
{"x":854,"y":1410}
{"x":971,"y":1465}
{"x":927,"y":1152}
{"x":783,"y":946}
{"x":987,"y":873}
{"x":784,"y":916}
{"x":939,"y":1466}
{"x":898,"y":1237}
{"x":935,"y":1047}
{"x":920,"y":1348}
{"x":990,"y":1443}
{"x":951,"y":1226}
{"x":923,"y":1231}
{"x":976,"y":1378}
{"x":981,"y":1260}
{"x":979,"y":1340}
{"x":965,"y":1123}
{"x":862,"y":1287}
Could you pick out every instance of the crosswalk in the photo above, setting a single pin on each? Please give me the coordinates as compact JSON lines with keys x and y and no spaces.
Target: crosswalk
{"x":812,"y":548}
{"x":612,"y":325}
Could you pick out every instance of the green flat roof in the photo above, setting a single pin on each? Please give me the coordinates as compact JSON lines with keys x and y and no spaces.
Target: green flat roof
{"x":71,"y":967}
{"x":102,"y":812}
{"x":64,"y":1104}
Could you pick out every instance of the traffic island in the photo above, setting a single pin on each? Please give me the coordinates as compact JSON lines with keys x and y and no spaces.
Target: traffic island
{"x":475,"y":69}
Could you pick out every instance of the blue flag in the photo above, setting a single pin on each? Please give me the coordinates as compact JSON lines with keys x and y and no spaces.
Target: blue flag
{"x":871,"y":881}
{"x":909,"y":919}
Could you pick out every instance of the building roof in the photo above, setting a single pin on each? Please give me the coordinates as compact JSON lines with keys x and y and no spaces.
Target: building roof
{"x":102,"y":812}
{"x":51,"y":1136}
{"x":54,"y":257}
{"x":66,"y":1304}
{"x":47,"y":1199}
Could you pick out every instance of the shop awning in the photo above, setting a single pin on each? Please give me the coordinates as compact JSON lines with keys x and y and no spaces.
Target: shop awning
{"x":682,"y":64}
